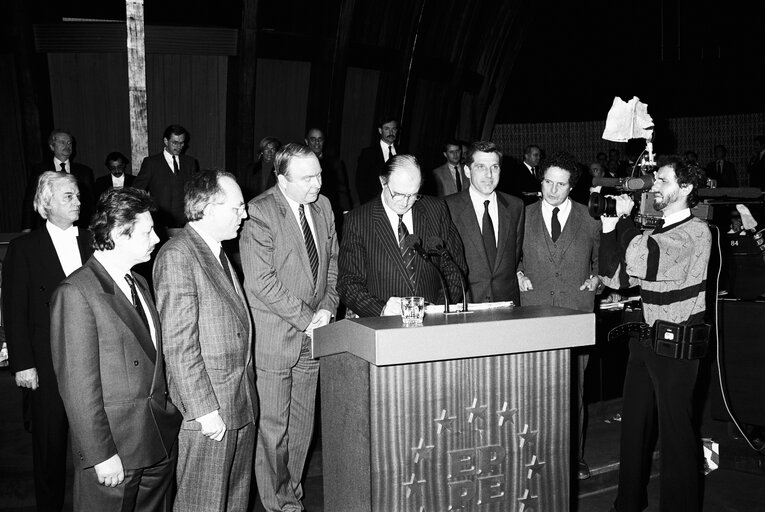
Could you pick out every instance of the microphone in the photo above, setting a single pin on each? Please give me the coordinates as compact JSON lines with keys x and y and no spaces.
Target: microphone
{"x":439,"y":249}
{"x":638,"y":184}
{"x":413,"y":242}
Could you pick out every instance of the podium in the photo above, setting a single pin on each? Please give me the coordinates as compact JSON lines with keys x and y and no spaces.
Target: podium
{"x":468,"y":412}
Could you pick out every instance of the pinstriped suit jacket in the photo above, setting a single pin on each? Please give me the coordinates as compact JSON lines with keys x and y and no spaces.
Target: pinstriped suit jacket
{"x":278,"y":278}
{"x":207,"y":334}
{"x":499,"y":282}
{"x":557,"y":270}
{"x":372,"y":269}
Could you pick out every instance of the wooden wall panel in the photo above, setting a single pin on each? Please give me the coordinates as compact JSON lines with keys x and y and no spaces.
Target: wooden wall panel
{"x":358,"y":118}
{"x":189,"y":90}
{"x":281,"y":100}
{"x":89,"y":94}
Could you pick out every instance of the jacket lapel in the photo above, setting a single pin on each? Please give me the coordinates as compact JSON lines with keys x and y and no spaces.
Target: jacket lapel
{"x":290,"y":225}
{"x":505,"y":219}
{"x":469,"y":225}
{"x":387,"y":239}
{"x":48,"y":252}
{"x":321,"y":233}
{"x":569,"y":232}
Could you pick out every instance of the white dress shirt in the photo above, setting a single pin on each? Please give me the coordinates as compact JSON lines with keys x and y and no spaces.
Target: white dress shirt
{"x":407,"y":219}
{"x":57,"y":165}
{"x":169,"y":160}
{"x":563,"y":212}
{"x":384,"y":146}
{"x":65,"y":243}
{"x":295,"y":207}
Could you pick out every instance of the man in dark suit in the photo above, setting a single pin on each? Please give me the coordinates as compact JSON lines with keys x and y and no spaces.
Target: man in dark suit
{"x":559,"y":266}
{"x":523,"y":179}
{"x":208,"y":348}
{"x":164,"y":175}
{"x":490,"y":224}
{"x":377,"y":267}
{"x":289,"y":255}
{"x":449,"y":177}
{"x":107,"y":353}
{"x":34,"y":265}
{"x":117,"y":178}
{"x":373,"y":159}
{"x":334,"y":178}
{"x":61,"y":143}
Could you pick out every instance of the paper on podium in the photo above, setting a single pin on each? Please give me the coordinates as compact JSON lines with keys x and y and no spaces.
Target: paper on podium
{"x":479,"y":306}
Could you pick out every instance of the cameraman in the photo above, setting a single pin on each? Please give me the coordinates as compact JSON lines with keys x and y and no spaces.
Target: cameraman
{"x":670,"y":267}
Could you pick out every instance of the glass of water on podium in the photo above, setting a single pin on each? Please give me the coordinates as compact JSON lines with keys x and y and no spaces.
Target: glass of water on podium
{"x":412,"y":310}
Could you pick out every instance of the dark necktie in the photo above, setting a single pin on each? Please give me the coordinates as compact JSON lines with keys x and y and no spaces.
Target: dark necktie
{"x":534,"y":171}
{"x":555,"y":225}
{"x":136,"y":301}
{"x":487,"y":233}
{"x":390,"y":151}
{"x":310,"y":245}
{"x":457,"y":178}
{"x":226,"y":266}
{"x":659,"y":225}
{"x":63,"y":167}
{"x":175,"y":165}
{"x":407,"y":253}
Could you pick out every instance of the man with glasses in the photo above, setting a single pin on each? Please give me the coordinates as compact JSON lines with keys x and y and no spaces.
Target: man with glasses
{"x":377,"y":265}
{"x":289,"y":255}
{"x":208,"y":348}
{"x":117,"y":178}
{"x":163,"y":176}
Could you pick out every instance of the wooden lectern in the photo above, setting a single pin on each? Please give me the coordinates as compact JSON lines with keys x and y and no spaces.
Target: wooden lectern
{"x":468,"y":412}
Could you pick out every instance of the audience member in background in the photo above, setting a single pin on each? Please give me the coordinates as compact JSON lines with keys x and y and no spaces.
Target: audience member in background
{"x":334,"y":178}
{"x":602,"y":158}
{"x":490,"y":224}
{"x":61,"y":144}
{"x":559,"y":266}
{"x":107,"y":354}
{"x":34,"y":265}
{"x":377,"y":264}
{"x":372,"y":159}
{"x":522,"y":179}
{"x":259,"y":176}
{"x":117,"y":164}
{"x":164,"y":175}
{"x":449,"y":177}
{"x":616,"y":164}
{"x":691,"y":158}
{"x":721,"y":169}
{"x":756,"y":167}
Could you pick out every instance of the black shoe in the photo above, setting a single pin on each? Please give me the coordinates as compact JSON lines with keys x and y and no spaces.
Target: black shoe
{"x":583,"y":470}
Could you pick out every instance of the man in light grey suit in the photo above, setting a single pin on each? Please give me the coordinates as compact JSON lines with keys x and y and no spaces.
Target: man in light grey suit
{"x":490,"y":224}
{"x":450,"y":178}
{"x":208,"y":349}
{"x":559,"y":266}
{"x":289,"y":255}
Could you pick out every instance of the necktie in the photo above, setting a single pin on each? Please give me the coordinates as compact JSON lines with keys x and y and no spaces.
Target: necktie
{"x":226,"y":266}
{"x":659,"y":225}
{"x":63,"y":167}
{"x":137,"y":301}
{"x":534,"y":171}
{"x":407,"y":253}
{"x":175,"y":164}
{"x":310,"y":245}
{"x":487,"y":233}
{"x":390,"y":151}
{"x":457,"y":178}
{"x":555,"y":225}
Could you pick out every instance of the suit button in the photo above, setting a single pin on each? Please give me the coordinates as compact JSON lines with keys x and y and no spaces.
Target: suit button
{"x":135,"y":363}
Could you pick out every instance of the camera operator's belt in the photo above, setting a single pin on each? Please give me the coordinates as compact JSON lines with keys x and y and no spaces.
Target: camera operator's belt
{"x":667,"y":339}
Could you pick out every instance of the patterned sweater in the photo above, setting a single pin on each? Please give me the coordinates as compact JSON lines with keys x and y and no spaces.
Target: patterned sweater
{"x":669,"y":265}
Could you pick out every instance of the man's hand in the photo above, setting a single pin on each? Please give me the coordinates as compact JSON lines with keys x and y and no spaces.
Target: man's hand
{"x":524,"y":283}
{"x":320,"y":319}
{"x":591,"y":284}
{"x":110,"y":472}
{"x":624,"y":205}
{"x":27,"y":378}
{"x":392,"y":307}
{"x":212,"y":425}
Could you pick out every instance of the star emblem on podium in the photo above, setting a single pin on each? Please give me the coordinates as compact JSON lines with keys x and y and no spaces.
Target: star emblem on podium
{"x":413,"y":486}
{"x":506,"y":414}
{"x":445,"y":422}
{"x":422,"y":452}
{"x":476,"y":411}
{"x":527,"y":435}
{"x":534,"y":466}
{"x":527,"y":501}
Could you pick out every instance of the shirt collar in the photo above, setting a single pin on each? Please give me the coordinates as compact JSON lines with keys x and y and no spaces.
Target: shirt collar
{"x":478,"y":199}
{"x":213,"y":244}
{"x":676,"y":217}
{"x":393,"y":216}
{"x":564,"y":207}
{"x":57,"y":233}
{"x":58,"y":162}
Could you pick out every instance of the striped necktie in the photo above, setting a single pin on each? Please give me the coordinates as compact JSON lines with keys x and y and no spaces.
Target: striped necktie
{"x":310,"y":245}
{"x":407,"y":253}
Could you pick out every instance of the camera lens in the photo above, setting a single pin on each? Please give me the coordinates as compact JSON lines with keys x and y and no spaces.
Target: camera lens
{"x":600,"y":205}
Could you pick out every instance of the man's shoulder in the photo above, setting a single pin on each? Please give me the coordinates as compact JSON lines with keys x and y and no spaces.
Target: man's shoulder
{"x":511,"y":200}
{"x":441,"y":169}
{"x":457,"y":199}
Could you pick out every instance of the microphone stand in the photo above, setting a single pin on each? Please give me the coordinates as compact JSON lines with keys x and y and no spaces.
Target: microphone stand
{"x":443,"y":252}
{"x":413,"y":241}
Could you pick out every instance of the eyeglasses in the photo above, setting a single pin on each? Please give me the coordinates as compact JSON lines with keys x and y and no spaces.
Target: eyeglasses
{"x":238,"y":209}
{"x":405,"y":197}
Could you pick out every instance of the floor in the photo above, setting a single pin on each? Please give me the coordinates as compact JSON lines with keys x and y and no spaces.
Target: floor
{"x":726,"y":489}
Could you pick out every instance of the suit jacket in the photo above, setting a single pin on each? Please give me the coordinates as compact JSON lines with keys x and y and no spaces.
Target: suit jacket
{"x":728,"y":177}
{"x":111,"y":377}
{"x":445,"y":183}
{"x":557,"y":270}
{"x":499,"y":281}
{"x":371,"y":161}
{"x":165,"y":187}
{"x":372,"y":269}
{"x":30,"y":219}
{"x":207,"y":333}
{"x":517,"y":180}
{"x":277,"y":275}
{"x":104,"y":183}
{"x":31,"y":272}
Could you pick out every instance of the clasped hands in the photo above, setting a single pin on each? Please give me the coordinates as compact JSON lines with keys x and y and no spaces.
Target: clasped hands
{"x":320,"y":319}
